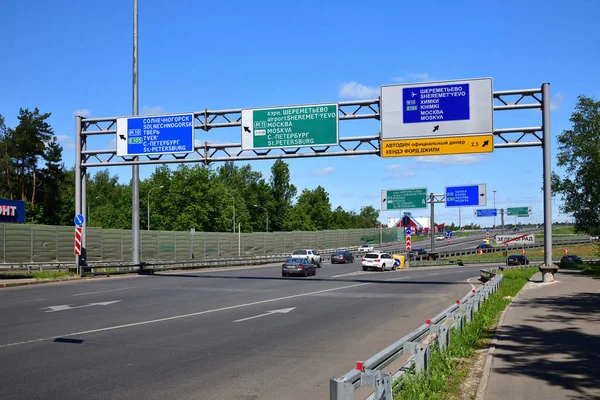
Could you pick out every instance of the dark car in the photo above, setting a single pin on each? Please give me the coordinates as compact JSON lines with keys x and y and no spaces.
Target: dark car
{"x":417,"y":253}
{"x":298,"y":266}
{"x":517,"y":259}
{"x":342,"y":256}
{"x":571,"y":259}
{"x":485,"y":247}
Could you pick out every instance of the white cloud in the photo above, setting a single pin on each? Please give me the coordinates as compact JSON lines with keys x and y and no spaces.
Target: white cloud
{"x":146,"y":110}
{"x":556,"y":101}
{"x":395,"y":167}
{"x":404,"y":174}
{"x":357,"y":90}
{"x":413,"y":77}
{"x":83,"y":112}
{"x":462,"y":159}
{"x":65,"y":141}
{"x":323,"y":171}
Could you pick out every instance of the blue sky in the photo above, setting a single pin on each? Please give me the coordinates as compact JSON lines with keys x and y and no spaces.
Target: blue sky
{"x":71,"y":57}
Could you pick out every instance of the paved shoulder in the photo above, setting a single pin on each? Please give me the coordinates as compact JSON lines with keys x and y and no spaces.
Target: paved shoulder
{"x":548,"y":345}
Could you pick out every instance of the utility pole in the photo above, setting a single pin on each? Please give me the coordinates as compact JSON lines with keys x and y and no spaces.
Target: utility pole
{"x":135,"y":169}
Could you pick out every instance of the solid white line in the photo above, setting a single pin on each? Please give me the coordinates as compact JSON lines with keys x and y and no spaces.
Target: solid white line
{"x":102,"y":291}
{"x":436,"y":273}
{"x":469,"y":280}
{"x":153,"y":321}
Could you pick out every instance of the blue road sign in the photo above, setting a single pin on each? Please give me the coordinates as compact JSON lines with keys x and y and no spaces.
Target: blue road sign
{"x":159,"y":134}
{"x":448,"y":234}
{"x":408,"y":231}
{"x":487,"y":229}
{"x":487,"y":212}
{"x":464,"y":196}
{"x":436,"y":103}
{"x":79,"y":220}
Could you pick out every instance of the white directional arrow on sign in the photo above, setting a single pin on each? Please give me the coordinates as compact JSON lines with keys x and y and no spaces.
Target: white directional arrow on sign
{"x":280,"y":311}
{"x":64,"y":307}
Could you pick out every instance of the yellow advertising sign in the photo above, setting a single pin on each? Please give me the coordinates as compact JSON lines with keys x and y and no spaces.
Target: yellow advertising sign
{"x":438,"y":146}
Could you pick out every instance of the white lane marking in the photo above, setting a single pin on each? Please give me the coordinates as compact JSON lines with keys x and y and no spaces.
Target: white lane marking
{"x":280,"y":311}
{"x":435,"y":273}
{"x":64,"y":307}
{"x":154,"y":321}
{"x":353,"y":273}
{"x":102,"y":291}
{"x":469,"y":280}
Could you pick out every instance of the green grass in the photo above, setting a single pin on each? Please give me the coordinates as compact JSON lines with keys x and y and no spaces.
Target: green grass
{"x":593,"y":271}
{"x":448,"y":369}
{"x":36,"y":275}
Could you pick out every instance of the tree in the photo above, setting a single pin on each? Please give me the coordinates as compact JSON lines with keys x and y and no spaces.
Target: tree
{"x":283,"y":193}
{"x":370,"y":216}
{"x":579,"y":154}
{"x":52,"y":177}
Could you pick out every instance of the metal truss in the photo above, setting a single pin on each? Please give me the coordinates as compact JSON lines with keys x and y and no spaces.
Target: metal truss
{"x":209,"y":152}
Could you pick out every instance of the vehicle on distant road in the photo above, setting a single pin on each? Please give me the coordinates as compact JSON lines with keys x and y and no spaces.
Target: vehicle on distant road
{"x":417,"y":252}
{"x":485,"y":247}
{"x":365,"y":248}
{"x":381,"y":261}
{"x":342,"y":256}
{"x":298,"y":266}
{"x":570,"y":259}
{"x":517,"y":259}
{"x":311,"y":254}
{"x":440,"y":237}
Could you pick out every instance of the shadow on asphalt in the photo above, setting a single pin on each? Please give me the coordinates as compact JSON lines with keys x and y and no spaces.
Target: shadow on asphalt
{"x":309,"y":279}
{"x":563,"y":357}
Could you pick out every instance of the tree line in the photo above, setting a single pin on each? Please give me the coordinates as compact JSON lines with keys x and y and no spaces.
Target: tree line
{"x":190,"y":196}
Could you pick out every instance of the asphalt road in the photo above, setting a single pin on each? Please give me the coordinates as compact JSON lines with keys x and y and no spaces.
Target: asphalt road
{"x":210,"y":334}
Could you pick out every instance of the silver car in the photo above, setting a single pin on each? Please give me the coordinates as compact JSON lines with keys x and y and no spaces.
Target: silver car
{"x":298,"y":266}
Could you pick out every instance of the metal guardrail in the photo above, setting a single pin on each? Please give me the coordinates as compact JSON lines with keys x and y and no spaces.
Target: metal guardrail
{"x":417,"y":343}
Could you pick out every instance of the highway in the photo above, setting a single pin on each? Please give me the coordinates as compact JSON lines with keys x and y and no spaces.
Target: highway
{"x":243,"y":333}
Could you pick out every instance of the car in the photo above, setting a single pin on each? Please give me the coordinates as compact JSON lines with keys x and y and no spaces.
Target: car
{"x":570,"y":259}
{"x":417,"y":253}
{"x":485,"y":247}
{"x":311,"y":254}
{"x":440,"y":237}
{"x":298,"y":266}
{"x":342,"y":256}
{"x":381,"y":261}
{"x":517,"y":259}
{"x":366,"y":248}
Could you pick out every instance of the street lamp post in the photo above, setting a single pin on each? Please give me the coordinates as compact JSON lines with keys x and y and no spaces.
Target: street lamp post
{"x":148,"y":205}
{"x":267,"y":214}
{"x":494,"y":207}
{"x":233,"y":204}
{"x":88,"y":210}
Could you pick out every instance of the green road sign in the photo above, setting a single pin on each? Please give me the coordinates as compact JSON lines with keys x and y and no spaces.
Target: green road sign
{"x":519,"y":211}
{"x":299,"y":126}
{"x":403,"y":199}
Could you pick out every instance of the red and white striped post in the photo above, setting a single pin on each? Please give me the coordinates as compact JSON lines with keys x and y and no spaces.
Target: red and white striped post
{"x":78,"y":232}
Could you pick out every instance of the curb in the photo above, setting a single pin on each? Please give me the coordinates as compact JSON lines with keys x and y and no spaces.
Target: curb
{"x":487,"y":367}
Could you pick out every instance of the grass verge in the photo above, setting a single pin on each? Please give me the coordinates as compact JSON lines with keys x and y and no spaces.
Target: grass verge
{"x":36,"y":275}
{"x":448,"y":369}
{"x":593,"y":271}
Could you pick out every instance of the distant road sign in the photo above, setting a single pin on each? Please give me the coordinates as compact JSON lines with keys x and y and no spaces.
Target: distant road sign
{"x":297,"y":126}
{"x":401,"y":199}
{"x":465,"y":196}
{"x":79,"y":220}
{"x":515,"y":239}
{"x":448,"y":234}
{"x":438,"y":146}
{"x":519,"y":211}
{"x":487,"y":212}
{"x":155,"y":134}
{"x":437,"y":109}
{"x":408,"y":231}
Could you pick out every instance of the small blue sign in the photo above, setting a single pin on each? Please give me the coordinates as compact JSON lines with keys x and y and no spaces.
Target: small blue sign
{"x":436,"y":103}
{"x":160,"y":134}
{"x":488,"y":212}
{"x":448,"y":234}
{"x":79,"y":220}
{"x":408,"y":231}
{"x":487,"y":230}
{"x":464,"y":196}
